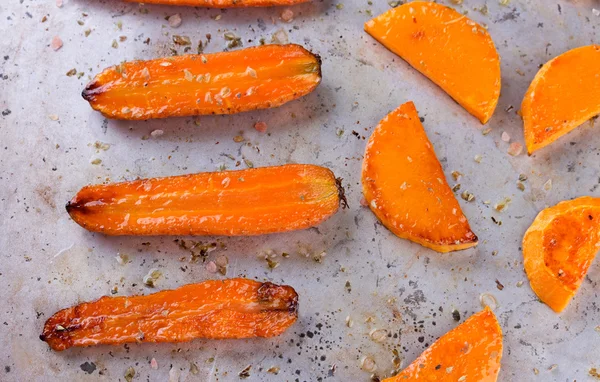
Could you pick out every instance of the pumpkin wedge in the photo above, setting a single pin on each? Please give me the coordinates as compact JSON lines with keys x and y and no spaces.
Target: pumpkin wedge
{"x":453,"y":51}
{"x":247,"y":202}
{"x":405,"y":186}
{"x":559,"y":247}
{"x":564,"y":94}
{"x":217,"y":309}
{"x":470,"y":352}
{"x":222,"y":3}
{"x":218,"y":83}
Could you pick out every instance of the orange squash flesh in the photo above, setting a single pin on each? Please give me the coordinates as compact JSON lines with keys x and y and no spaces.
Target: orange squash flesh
{"x":217,"y":309}
{"x":453,"y":51}
{"x":222,"y":3}
{"x":559,"y":247}
{"x":564,"y":94}
{"x":472,"y":350}
{"x":218,"y":83}
{"x":246,"y":202}
{"x":405,"y":186}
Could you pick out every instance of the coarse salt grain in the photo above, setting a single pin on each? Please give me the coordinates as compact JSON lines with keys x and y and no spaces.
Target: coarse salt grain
{"x":505,"y":136}
{"x":596,"y":12}
{"x":363,"y":202}
{"x":211,"y":267}
{"x":175,"y":20}
{"x":157,"y":133}
{"x":59,"y":3}
{"x":287,"y":15}
{"x":260,"y":126}
{"x":56,"y":43}
{"x":515,"y":149}
{"x":154,"y":364}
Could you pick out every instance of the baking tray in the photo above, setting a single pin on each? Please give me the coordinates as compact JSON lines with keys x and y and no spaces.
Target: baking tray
{"x":48,"y":136}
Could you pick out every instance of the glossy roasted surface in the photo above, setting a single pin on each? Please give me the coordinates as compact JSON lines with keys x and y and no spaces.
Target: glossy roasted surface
{"x":405,"y":186}
{"x":217,"y":83}
{"x":470,"y":352}
{"x":564,"y":94}
{"x":219,"y":309}
{"x":559,"y":247}
{"x":453,"y":51}
{"x":246,"y":202}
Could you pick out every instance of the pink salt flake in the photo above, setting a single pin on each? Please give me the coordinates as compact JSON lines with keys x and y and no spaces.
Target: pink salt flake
{"x":59,"y":3}
{"x":56,"y":43}
{"x":260,"y":126}
{"x":154,"y":364}
{"x":175,"y":20}
{"x":287,"y":15}
{"x":211,"y":267}
{"x":363,"y":202}
{"x":505,"y":136}
{"x":515,"y":149}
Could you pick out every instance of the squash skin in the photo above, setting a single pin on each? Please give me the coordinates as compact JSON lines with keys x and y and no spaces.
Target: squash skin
{"x":472,"y":349}
{"x":564,"y":94}
{"x":451,"y":50}
{"x":217,"y":83}
{"x":405,"y":186}
{"x":232,"y":203}
{"x":559,"y":247}
{"x":216,"y":309}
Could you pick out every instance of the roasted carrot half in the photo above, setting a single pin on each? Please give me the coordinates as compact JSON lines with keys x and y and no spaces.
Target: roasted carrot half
{"x":470,"y":352}
{"x":564,"y":94}
{"x":222,"y":3}
{"x":453,"y":51}
{"x":559,"y":247}
{"x":219,"y":83}
{"x":246,"y":202}
{"x":405,"y":186}
{"x":216,"y":309}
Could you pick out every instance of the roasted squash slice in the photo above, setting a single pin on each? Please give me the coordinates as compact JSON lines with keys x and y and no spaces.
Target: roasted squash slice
{"x":246,"y":202}
{"x":559,"y":247}
{"x":217,"y":309}
{"x":222,"y":3}
{"x":405,"y":186}
{"x":451,"y":50}
{"x":470,"y":352}
{"x":218,"y":83}
{"x":564,"y":94}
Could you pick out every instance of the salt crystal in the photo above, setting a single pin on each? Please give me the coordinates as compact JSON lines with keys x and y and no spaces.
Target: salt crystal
{"x":260,"y":126}
{"x":505,"y":136}
{"x":175,"y":20}
{"x":596,"y":12}
{"x":515,"y":149}
{"x":287,"y":15}
{"x":363,"y":202}
{"x":211,"y":267}
{"x":157,"y":133}
{"x":154,"y":364}
{"x":56,"y":43}
{"x":59,"y":3}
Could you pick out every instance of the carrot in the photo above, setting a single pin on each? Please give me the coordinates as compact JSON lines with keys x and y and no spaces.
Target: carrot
{"x":453,"y":51}
{"x":470,"y":352}
{"x":222,"y":3}
{"x":564,"y":94}
{"x":246,"y":202}
{"x":405,"y":186}
{"x":218,"y":83}
{"x":559,"y":248}
{"x":216,"y":309}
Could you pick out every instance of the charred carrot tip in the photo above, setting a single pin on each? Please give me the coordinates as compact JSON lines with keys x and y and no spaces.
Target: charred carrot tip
{"x":247,"y":202}
{"x":341,"y":193}
{"x":218,"y":83}
{"x":217,"y":309}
